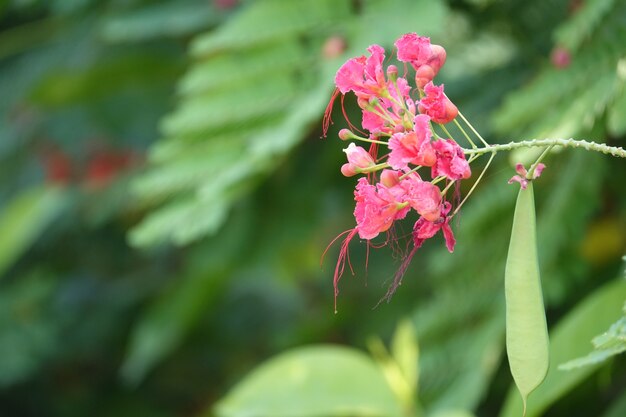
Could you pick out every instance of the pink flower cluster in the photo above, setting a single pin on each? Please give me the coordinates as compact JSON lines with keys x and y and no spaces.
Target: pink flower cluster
{"x":393,"y":185}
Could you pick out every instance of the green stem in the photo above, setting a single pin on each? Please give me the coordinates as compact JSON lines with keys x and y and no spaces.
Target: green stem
{"x":456,"y":122}
{"x":534,"y":166}
{"x":473,"y":130}
{"x":374,"y":168}
{"x":572,"y":143}
{"x":362,"y":139}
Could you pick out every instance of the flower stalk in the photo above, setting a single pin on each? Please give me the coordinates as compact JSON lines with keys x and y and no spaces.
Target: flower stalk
{"x":566,"y":143}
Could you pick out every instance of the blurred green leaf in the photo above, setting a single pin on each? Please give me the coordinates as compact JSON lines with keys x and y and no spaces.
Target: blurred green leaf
{"x":610,"y":343}
{"x":169,"y":18}
{"x":451,"y":413}
{"x":25,"y":217}
{"x":405,"y":352}
{"x":165,"y":323}
{"x":616,"y":122}
{"x":618,"y":408}
{"x":312,"y":381}
{"x":28,"y":335}
{"x":580,"y":27}
{"x":569,"y":338}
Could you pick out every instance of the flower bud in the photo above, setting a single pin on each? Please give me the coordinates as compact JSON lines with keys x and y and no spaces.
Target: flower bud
{"x":345,"y":134}
{"x":348,"y":170}
{"x":358,"y":156}
{"x":392,"y":73}
{"x":389,"y":178}
{"x":423,"y":75}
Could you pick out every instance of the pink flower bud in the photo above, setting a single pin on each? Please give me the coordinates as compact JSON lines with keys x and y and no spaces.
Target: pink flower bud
{"x":345,"y":134}
{"x":424,"y":75}
{"x":358,"y":156}
{"x":392,"y":73}
{"x":438,"y":57}
{"x":348,"y":170}
{"x":389,"y":178}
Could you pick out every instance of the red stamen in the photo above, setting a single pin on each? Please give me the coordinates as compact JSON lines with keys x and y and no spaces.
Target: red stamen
{"x":341,"y":261}
{"x":327,"y":120}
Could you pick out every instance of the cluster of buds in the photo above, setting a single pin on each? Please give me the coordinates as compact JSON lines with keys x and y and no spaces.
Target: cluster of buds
{"x":392,"y":184}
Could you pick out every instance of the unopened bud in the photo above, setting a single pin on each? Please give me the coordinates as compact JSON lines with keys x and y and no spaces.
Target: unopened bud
{"x":438,"y":57}
{"x":392,"y":73}
{"x":348,"y":170}
{"x":358,"y":156}
{"x":389,"y":178}
{"x":423,"y":75}
{"x":345,"y":134}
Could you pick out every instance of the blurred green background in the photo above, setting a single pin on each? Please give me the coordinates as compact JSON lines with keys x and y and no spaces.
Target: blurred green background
{"x":165,"y":199}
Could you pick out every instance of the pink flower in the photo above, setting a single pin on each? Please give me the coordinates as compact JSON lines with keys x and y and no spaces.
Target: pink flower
{"x":427,"y":59}
{"x":437,"y":105}
{"x":425,"y":229}
{"x":422,"y":196}
{"x":364,"y":76}
{"x":412,"y":147}
{"x":376,"y":209}
{"x":522,"y":178}
{"x":358,"y":159}
{"x":451,"y":161}
{"x":414,"y":49}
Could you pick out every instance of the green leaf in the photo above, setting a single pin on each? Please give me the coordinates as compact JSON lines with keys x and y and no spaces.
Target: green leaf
{"x":570,"y":338}
{"x":25,"y":218}
{"x":165,"y":324}
{"x":575,"y":30}
{"x":452,"y":413}
{"x":527,"y":342}
{"x":312,"y":381}
{"x":616,"y":122}
{"x":608,"y":344}
{"x":618,"y":408}
{"x":172,"y":18}
{"x":405,"y":352}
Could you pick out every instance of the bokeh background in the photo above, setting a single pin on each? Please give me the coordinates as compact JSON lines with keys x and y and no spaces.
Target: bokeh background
{"x":166,"y":197}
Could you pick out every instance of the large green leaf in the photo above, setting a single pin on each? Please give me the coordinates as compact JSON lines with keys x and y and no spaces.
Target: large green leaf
{"x":312,"y":381}
{"x":24,"y":218}
{"x":570,"y":339}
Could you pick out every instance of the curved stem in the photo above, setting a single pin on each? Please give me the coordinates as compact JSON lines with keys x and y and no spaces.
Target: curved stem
{"x":474,"y":185}
{"x":571,"y":143}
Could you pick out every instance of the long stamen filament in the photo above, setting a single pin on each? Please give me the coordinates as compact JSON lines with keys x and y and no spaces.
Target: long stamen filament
{"x":473,"y":130}
{"x":456,"y":122}
{"x":474,"y":185}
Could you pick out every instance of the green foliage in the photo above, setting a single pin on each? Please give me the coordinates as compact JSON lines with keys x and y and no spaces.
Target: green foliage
{"x":27,"y":339}
{"x":313,"y":381}
{"x":610,"y":343}
{"x":25,"y":218}
{"x":595,"y":78}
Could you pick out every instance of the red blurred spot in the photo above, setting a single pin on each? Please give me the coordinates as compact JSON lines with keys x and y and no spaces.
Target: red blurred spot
{"x":334,"y":47}
{"x":560,"y":57}
{"x":105,"y":165}
{"x":225,"y":4}
{"x":57,"y":166}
